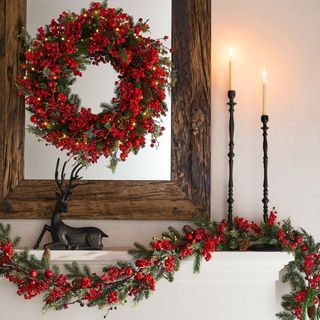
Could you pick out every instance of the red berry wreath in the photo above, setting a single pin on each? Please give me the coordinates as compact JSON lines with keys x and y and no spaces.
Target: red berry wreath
{"x":56,"y":57}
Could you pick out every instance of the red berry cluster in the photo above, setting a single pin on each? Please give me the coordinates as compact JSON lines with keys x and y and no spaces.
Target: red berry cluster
{"x":31,"y":285}
{"x":301,"y":295}
{"x":60,"y":287}
{"x":113,"y":297}
{"x":242,"y":223}
{"x":246,"y":226}
{"x":7,"y":251}
{"x":93,"y":293}
{"x":208,"y":241}
{"x":143,"y":263}
{"x":86,"y":282}
{"x":300,"y":298}
{"x":100,"y":35}
{"x":271,"y":221}
{"x":312,"y":269}
{"x":291,"y":241}
{"x":163,"y":245}
{"x":170,"y":264}
{"x":95,"y":285}
{"x":298,"y":312}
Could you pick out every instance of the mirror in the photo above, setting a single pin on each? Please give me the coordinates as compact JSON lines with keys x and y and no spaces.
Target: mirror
{"x":96,"y":86}
{"x":173,"y":196}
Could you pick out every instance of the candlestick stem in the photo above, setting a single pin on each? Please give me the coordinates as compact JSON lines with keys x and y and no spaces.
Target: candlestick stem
{"x":265,"y":200}
{"x":230,"y":200}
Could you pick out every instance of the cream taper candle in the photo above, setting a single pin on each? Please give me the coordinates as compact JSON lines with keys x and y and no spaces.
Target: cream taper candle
{"x":264,"y":92}
{"x":231,"y":69}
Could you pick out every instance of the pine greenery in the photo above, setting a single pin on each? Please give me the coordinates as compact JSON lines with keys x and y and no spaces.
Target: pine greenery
{"x":161,"y":260}
{"x":139,"y":251}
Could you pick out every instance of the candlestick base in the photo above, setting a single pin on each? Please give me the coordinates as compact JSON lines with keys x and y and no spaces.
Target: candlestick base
{"x":265,"y":247}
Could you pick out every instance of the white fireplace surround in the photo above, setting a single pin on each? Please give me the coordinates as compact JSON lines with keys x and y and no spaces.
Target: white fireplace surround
{"x":283,"y":37}
{"x":234,"y":285}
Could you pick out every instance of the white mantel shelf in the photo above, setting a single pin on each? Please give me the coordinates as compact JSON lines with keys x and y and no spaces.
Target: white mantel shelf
{"x":114,"y":254}
{"x":233,"y":285}
{"x":224,"y":266}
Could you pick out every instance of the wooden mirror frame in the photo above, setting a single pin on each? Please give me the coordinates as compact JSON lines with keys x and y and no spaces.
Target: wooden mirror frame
{"x":178,"y":199}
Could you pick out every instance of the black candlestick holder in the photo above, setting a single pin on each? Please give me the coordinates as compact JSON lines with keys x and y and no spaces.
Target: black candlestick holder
{"x":265,"y":200}
{"x":230,"y":200}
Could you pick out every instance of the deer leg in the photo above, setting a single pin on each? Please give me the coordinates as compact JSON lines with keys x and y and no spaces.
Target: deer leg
{"x":44,"y":230}
{"x":63,"y":244}
{"x":56,"y":246}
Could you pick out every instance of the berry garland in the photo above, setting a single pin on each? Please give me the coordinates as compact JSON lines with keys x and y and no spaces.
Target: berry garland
{"x":56,"y":57}
{"x":137,"y":280}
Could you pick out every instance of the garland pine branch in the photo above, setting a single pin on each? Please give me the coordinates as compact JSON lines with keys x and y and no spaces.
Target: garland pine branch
{"x":124,"y":280}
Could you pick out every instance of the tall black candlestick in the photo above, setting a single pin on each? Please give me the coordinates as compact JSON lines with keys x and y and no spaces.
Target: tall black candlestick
{"x":231,"y":104}
{"x":265,"y":200}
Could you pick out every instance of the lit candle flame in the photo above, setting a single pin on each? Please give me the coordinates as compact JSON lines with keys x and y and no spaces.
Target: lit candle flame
{"x":231,"y":52}
{"x":264,"y":75}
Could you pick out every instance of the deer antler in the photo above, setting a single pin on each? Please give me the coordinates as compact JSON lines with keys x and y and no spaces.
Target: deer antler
{"x":56,"y":177}
{"x":60,"y":183}
{"x":73,"y":177}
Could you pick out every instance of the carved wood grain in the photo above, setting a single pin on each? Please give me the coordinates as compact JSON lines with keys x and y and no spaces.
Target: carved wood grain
{"x":94,"y":200}
{"x":12,"y":19}
{"x":191,"y":142}
{"x":178,"y":199}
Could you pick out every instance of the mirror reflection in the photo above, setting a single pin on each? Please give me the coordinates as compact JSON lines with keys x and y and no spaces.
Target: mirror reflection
{"x":96,"y":86}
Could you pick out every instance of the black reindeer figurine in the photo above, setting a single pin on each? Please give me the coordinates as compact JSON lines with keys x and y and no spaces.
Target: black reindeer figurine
{"x":63,"y":236}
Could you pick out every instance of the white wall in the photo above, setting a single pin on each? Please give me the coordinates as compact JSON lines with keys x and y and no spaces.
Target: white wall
{"x":281,"y":36}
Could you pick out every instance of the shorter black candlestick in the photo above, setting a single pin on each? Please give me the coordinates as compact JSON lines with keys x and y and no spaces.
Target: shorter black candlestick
{"x":265,"y":200}
{"x":231,"y":104}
